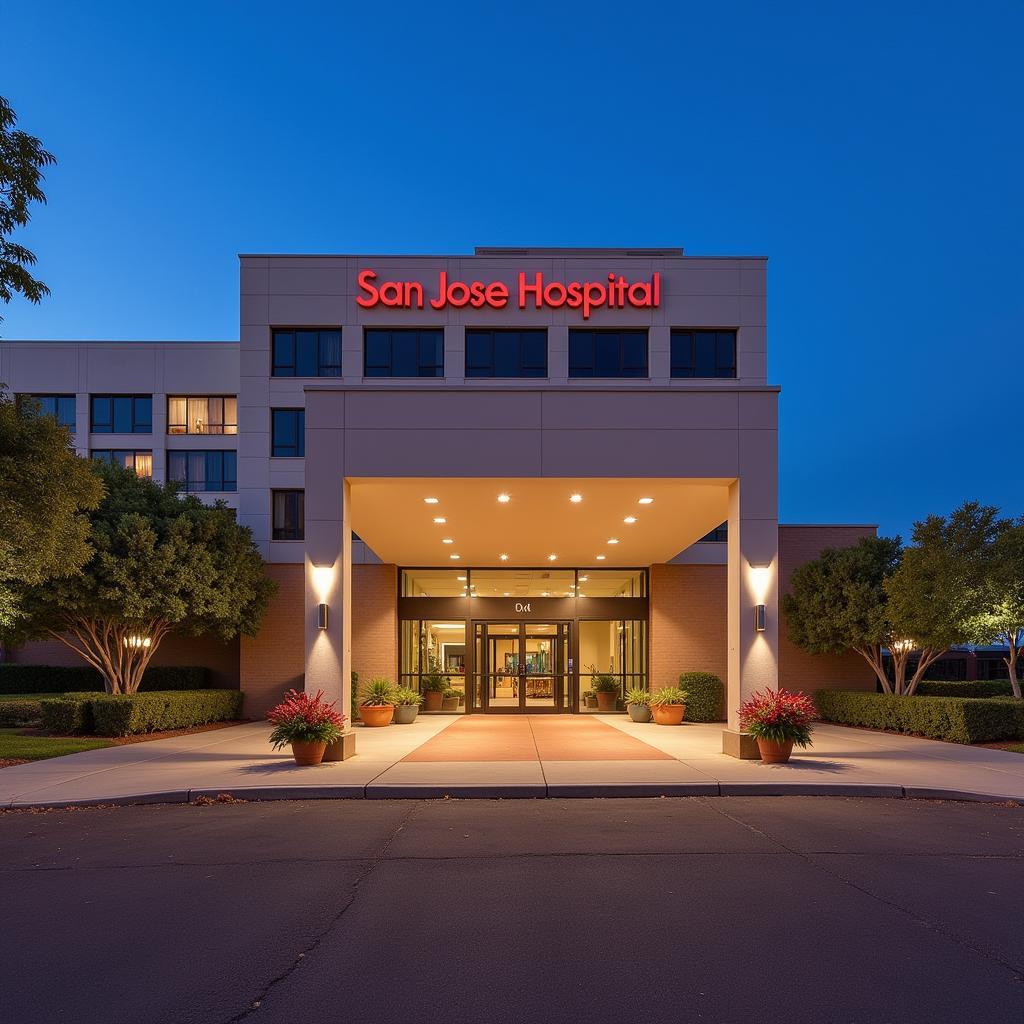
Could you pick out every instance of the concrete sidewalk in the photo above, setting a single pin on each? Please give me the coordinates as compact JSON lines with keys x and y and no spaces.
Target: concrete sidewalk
{"x":239,"y":760}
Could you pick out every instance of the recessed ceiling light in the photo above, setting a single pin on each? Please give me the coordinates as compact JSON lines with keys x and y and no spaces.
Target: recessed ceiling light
{"x":503,"y":557}
{"x":454,"y":556}
{"x":613,"y":540}
{"x":447,"y":540}
{"x":461,"y":579}
{"x":506,"y":593}
{"x":545,"y":594}
{"x":630,"y":519}
{"x":440,"y":519}
{"x":504,"y":498}
{"x":430,"y":501}
{"x":645,"y":501}
{"x":600,"y":558}
{"x":576,"y":498}
{"x":552,"y":558}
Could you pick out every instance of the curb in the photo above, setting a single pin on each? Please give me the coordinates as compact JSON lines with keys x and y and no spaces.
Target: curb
{"x":369,"y":791}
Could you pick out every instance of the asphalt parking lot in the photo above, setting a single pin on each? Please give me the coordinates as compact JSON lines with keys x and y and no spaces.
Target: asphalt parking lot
{"x":788,"y":909}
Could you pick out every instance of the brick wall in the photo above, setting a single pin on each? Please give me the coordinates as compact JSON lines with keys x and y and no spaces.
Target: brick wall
{"x":375,"y":621}
{"x":797,"y":669}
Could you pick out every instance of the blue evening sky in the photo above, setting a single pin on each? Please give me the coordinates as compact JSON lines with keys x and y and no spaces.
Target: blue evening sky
{"x":873,"y":151}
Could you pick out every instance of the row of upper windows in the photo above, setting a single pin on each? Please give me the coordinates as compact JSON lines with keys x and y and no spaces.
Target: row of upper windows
{"x":413,"y":352}
{"x":195,"y":471}
{"x":133,"y":414}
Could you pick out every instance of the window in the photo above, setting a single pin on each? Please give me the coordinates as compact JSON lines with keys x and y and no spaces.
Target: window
{"x":60,"y":407}
{"x":506,"y":353}
{"x":719,"y":534}
{"x":289,"y":509}
{"x":122,"y":414}
{"x":607,"y":353}
{"x":287,"y":433}
{"x":140,"y":461}
{"x":703,"y":353}
{"x":202,"y":414}
{"x":307,"y":354}
{"x":403,"y":353}
{"x":203,"y":470}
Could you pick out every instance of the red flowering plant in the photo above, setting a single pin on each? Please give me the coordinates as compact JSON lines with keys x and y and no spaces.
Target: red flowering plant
{"x":779,"y":716}
{"x":300,"y":718}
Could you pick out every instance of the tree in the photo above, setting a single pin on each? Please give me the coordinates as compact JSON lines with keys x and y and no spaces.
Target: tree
{"x":22,"y":159}
{"x":45,"y":492}
{"x":161,"y":562}
{"x":1002,"y":621}
{"x":838,"y":602}
{"x":940,"y":589}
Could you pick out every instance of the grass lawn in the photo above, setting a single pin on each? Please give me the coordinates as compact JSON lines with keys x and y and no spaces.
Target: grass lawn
{"x":1017,"y":748}
{"x":16,"y":744}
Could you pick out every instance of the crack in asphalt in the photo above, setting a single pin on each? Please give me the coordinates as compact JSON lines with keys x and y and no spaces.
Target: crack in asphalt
{"x":257,"y":1002}
{"x":931,"y":925}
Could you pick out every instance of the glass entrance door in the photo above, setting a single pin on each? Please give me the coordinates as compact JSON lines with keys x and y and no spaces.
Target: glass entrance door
{"x":522,"y":667}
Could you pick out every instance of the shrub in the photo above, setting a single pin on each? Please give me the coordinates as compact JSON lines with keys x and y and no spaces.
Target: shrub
{"x":19,"y":712}
{"x":604,"y":683}
{"x":408,"y":697}
{"x":77,"y":678}
{"x":638,"y":695}
{"x":668,"y":695}
{"x":953,"y":719}
{"x":963,"y":688}
{"x":69,"y":714}
{"x":128,"y":714}
{"x":779,"y":716}
{"x":300,"y":718}
{"x":705,"y":700}
{"x":378,"y":691}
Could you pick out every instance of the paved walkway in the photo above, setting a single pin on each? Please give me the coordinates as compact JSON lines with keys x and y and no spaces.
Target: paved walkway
{"x":440,"y":756}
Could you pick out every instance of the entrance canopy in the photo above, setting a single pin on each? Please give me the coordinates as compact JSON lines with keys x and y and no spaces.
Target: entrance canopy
{"x":534,"y":522}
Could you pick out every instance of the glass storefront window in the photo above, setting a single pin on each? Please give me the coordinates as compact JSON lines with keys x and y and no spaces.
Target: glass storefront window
{"x":612,"y":583}
{"x":523,"y":582}
{"x":434,"y":583}
{"x":431,"y":647}
{"x":616,"y":647}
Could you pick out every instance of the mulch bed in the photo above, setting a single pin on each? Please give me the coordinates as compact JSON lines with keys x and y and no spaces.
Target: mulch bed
{"x":11,"y":762}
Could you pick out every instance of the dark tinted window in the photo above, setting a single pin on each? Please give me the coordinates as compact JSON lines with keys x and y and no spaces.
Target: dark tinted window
{"x":307,"y":354}
{"x":140,"y":461}
{"x":403,"y":353}
{"x":122,"y":414}
{"x":607,"y":353}
{"x":203,"y":470}
{"x":60,"y":407}
{"x":289,"y":514}
{"x":719,"y":533}
{"x":703,"y":353}
{"x":288,"y":433}
{"x":506,"y":353}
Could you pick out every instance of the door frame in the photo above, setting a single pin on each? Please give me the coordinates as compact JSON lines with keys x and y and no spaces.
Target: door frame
{"x":523,"y":626}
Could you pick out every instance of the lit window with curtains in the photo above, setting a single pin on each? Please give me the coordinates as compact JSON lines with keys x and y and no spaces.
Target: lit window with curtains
{"x":198,"y":471}
{"x":202,"y":414}
{"x":139,"y":461}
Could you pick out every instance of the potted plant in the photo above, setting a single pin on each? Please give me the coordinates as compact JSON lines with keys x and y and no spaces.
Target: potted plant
{"x":433,"y":685}
{"x":636,"y":704}
{"x":377,"y":707}
{"x":450,"y":699}
{"x":778,"y":720}
{"x":589,"y":699}
{"x":606,"y":687}
{"x":668,"y":705}
{"x":407,"y":705}
{"x":307,"y":723}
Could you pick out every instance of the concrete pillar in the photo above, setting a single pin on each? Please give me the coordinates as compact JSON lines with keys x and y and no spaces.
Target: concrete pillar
{"x":753,"y":579}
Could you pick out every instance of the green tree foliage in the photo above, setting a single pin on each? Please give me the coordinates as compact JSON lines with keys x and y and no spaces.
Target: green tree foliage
{"x":838,"y":602}
{"x":22,"y":159}
{"x":45,"y":492}
{"x":161,"y":562}
{"x":941,"y":587}
{"x":1002,"y":621}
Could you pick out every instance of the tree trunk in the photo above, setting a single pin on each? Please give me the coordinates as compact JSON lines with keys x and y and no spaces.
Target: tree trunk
{"x":120,"y":653}
{"x":1011,"y":664}
{"x":873,"y":656}
{"x":928,"y":657}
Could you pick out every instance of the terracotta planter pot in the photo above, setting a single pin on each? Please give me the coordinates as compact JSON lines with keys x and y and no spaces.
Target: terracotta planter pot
{"x":432,"y":700}
{"x":607,"y":701}
{"x":376,"y":715}
{"x":308,"y":753}
{"x":775,"y":753}
{"x":668,"y":714}
{"x":405,"y":714}
{"x":450,"y":704}
{"x":639,"y":712}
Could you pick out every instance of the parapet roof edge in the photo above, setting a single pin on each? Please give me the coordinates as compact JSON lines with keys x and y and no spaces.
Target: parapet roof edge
{"x":509,"y":253}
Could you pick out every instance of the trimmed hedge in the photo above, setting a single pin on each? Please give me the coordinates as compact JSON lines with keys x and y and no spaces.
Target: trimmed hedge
{"x":19,"y":712}
{"x":68,"y":714}
{"x":77,"y":678}
{"x":128,"y":714}
{"x":705,"y":696}
{"x":964,"y":688}
{"x":953,"y":719}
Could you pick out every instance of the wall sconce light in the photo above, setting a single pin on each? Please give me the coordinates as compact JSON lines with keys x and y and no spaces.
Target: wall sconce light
{"x":759,"y":617}
{"x":321,"y":615}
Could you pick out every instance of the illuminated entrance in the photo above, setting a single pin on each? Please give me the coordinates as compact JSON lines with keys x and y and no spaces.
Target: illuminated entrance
{"x":522,"y":640}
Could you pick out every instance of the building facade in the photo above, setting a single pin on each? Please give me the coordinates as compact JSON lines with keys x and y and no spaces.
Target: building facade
{"x":517,"y":472}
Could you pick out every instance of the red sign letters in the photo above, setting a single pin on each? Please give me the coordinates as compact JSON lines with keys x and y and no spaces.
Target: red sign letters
{"x":615,"y":292}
